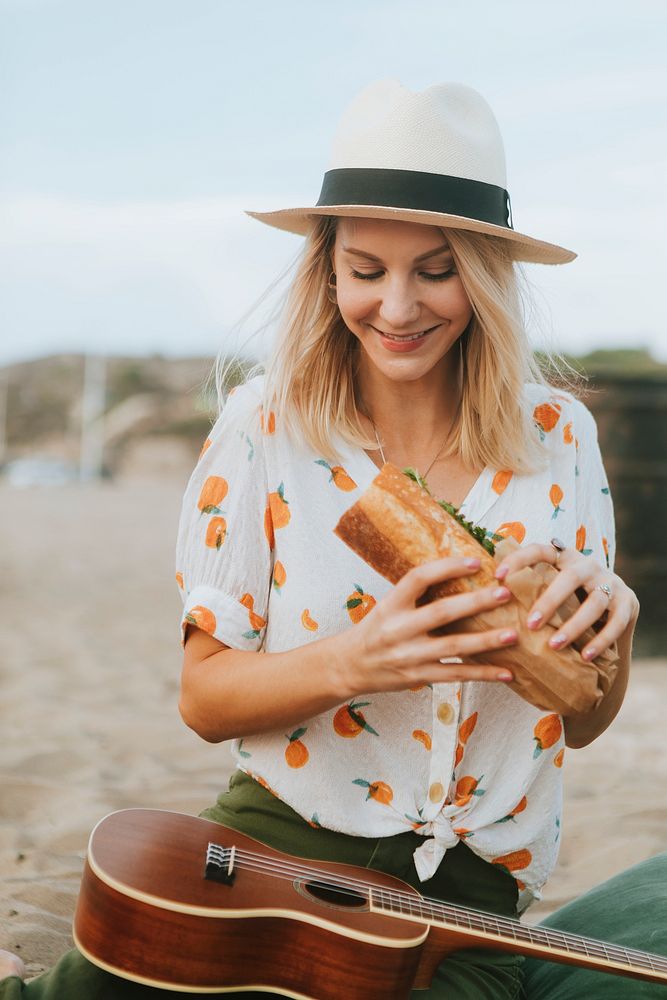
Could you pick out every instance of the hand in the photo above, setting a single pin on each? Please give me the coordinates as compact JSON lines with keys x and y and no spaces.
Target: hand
{"x":576,"y":571}
{"x":391,"y":649}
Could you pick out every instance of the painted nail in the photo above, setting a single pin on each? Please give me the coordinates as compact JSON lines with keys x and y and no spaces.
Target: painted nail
{"x":589,"y":653}
{"x":534,"y":620}
{"x":505,"y":676}
{"x":508,"y":636}
{"x":558,"y":640}
{"x":501,"y":572}
{"x":473,"y":563}
{"x":501,"y":593}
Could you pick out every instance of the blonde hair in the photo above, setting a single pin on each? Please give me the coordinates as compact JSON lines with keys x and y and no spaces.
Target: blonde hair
{"x":310,"y":373}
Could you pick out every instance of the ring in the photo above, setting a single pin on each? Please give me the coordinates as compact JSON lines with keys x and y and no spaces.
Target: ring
{"x":605,"y":588}
{"x":559,"y":547}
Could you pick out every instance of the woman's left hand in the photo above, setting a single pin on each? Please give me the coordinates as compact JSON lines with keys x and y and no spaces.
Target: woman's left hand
{"x":576,"y":570}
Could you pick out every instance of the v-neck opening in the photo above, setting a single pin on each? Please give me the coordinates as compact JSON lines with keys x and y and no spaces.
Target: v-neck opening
{"x":470,"y":496}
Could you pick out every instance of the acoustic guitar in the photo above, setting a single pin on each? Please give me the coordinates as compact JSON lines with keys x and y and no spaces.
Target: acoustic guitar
{"x":185,"y":904}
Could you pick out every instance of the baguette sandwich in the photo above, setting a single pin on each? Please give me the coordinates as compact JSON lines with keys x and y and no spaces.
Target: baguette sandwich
{"x":396,"y":524}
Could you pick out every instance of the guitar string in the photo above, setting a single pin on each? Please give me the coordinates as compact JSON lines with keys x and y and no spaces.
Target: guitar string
{"x":475,"y":918}
{"x":514,"y":929}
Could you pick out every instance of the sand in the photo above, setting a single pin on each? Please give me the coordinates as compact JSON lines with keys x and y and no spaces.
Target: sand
{"x":89,"y":720}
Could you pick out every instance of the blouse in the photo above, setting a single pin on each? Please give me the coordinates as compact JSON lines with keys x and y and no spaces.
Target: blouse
{"x":260,"y":568}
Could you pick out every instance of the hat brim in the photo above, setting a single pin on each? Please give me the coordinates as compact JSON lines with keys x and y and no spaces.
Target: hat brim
{"x":524,"y":248}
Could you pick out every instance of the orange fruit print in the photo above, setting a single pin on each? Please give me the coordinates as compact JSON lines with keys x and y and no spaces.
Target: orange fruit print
{"x":179,"y":580}
{"x":349,"y":721}
{"x":546,"y":733}
{"x":466,"y":787}
{"x":558,"y":759}
{"x":514,"y":861}
{"x":279,"y":576}
{"x":422,"y":737}
{"x":378,"y":790}
{"x":269,"y":426}
{"x":296,"y":752}
{"x":203,"y":618}
{"x":280,"y":513}
{"x":338,"y":476}
{"x":510,"y":529}
{"x":216,"y":532}
{"x":501,"y":480}
{"x":546,"y":416}
{"x":581,"y":541}
{"x":257,"y":623}
{"x":521,"y":805}
{"x":556,"y":495}
{"x":206,"y":445}
{"x":213,"y":492}
{"x":359,"y":604}
{"x":268,"y":528}
{"x":567,"y":433}
{"x":308,"y":622}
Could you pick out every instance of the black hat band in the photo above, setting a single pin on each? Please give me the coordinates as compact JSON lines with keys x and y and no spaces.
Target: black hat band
{"x":419,"y":191}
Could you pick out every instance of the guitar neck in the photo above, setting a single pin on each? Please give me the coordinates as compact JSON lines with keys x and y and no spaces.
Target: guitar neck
{"x":454,"y":927}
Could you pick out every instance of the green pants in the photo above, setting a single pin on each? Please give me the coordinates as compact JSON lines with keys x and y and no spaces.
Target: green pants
{"x":247,"y":807}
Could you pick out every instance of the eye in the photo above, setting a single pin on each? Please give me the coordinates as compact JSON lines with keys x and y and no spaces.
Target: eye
{"x":425,"y":274}
{"x":439,"y":277}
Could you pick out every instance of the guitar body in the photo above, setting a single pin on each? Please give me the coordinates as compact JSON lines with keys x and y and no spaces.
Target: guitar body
{"x":145,"y":912}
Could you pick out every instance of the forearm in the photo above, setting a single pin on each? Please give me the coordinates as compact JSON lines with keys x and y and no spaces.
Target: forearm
{"x":580,"y":730}
{"x":234,"y":693}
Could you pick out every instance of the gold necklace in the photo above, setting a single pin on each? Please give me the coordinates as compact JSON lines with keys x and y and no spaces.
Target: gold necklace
{"x":437,"y":456}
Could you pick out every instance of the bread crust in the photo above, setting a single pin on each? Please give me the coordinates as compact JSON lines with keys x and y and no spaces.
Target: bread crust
{"x":396,"y":525}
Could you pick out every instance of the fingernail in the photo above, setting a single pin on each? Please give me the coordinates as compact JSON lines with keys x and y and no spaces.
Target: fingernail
{"x":508,"y":636}
{"x":505,"y":676}
{"x":557,"y":640}
{"x":473,"y":563}
{"x":589,"y":653}
{"x":534,"y":620}
{"x":500,"y":593}
{"x":501,"y":572}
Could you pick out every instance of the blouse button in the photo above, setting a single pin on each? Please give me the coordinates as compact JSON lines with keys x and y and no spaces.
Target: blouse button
{"x":446,"y":713}
{"x":436,"y":791}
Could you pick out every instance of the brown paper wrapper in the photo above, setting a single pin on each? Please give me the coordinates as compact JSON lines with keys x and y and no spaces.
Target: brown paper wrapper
{"x":396,"y":524}
{"x":553,"y":680}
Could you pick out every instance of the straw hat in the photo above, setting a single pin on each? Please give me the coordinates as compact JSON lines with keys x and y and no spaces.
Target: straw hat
{"x":435,"y":157}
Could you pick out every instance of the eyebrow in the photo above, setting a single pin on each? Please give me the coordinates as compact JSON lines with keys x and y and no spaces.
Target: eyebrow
{"x":424,"y":256}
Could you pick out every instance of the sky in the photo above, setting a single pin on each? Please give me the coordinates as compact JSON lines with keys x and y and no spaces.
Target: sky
{"x":133,"y":135}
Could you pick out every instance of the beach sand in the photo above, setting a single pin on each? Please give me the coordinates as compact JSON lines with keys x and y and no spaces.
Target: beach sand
{"x":89,"y":719}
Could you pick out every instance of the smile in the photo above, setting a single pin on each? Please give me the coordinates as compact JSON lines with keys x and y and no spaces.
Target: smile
{"x":406,"y":337}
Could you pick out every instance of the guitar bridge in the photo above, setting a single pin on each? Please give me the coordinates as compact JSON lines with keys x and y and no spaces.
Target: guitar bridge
{"x":220,"y":864}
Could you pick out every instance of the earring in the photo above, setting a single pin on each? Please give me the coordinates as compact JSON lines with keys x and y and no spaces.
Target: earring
{"x":331,"y":288}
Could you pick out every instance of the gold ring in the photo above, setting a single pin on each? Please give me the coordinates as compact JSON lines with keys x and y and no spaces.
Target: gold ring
{"x":559,"y":547}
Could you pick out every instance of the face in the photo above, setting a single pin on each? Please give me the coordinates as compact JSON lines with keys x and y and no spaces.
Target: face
{"x":399,"y":293}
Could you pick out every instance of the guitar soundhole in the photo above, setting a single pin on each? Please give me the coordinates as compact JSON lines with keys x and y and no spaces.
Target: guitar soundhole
{"x":334,"y":895}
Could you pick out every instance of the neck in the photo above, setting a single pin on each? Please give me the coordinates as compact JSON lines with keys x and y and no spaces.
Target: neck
{"x":411,"y":418}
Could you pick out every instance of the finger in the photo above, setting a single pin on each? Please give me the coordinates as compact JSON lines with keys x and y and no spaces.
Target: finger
{"x":466,"y":645}
{"x":561,"y":587}
{"x":452,"y":673}
{"x":614,"y":628}
{"x":420,"y":578}
{"x":456,"y":606}
{"x":525,"y":556}
{"x":590,"y":612}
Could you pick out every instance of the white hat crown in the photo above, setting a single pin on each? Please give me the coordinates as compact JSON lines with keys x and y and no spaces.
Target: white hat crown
{"x":446,"y":129}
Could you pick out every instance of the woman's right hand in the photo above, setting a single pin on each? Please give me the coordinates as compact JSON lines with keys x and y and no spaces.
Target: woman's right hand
{"x":391,"y":649}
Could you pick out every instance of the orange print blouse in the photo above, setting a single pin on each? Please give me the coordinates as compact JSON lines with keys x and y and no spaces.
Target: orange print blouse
{"x":259,"y":568}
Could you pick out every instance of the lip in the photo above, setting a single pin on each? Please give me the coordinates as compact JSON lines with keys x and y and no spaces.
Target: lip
{"x":402,"y":347}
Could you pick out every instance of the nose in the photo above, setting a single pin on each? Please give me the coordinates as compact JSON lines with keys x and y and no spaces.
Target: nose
{"x":399,"y":306}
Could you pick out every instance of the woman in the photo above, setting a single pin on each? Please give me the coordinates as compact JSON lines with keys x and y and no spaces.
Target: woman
{"x":360,"y":737}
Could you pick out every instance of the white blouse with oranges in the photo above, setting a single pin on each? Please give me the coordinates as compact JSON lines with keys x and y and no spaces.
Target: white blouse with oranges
{"x":260,"y":568}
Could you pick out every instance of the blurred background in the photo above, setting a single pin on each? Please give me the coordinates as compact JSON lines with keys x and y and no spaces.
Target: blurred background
{"x":132,"y":137}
